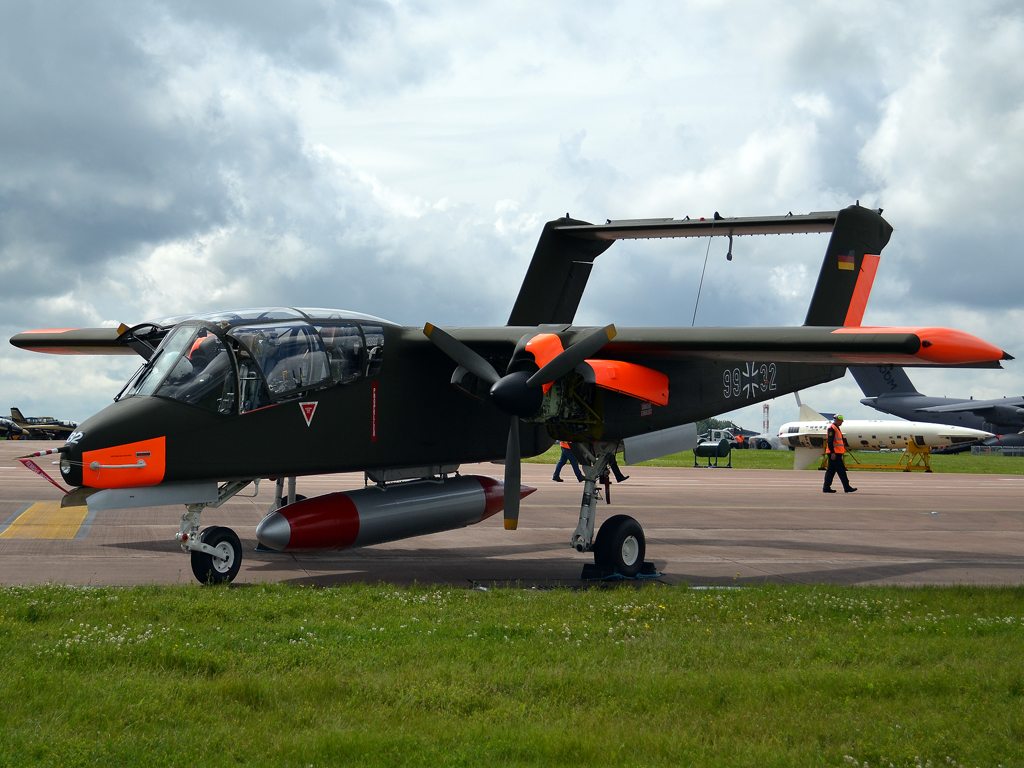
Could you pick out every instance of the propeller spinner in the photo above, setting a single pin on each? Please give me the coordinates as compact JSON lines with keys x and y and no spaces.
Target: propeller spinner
{"x":518,"y":394}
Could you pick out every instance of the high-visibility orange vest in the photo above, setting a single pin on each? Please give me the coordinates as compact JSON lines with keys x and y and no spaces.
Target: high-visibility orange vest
{"x":565,"y":445}
{"x":839,"y":445}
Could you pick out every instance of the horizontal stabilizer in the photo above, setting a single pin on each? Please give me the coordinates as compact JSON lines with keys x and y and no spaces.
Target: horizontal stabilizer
{"x":636,"y":229}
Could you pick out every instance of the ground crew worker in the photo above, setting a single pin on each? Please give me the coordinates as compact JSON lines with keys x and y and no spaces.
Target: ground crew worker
{"x":836,"y":447}
{"x":567,"y":455}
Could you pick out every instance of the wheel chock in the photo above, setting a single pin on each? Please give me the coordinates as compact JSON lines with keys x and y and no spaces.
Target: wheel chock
{"x":591,"y":572}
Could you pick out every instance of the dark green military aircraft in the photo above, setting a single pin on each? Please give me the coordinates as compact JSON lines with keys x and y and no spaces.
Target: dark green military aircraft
{"x":340,"y":391}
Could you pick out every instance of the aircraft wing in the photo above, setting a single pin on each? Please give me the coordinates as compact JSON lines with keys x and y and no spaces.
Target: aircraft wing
{"x":979,"y":407}
{"x":812,"y":344}
{"x":87,"y":341}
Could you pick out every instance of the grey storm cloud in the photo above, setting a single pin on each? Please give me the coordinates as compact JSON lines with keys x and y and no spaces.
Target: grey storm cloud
{"x":400,"y":159}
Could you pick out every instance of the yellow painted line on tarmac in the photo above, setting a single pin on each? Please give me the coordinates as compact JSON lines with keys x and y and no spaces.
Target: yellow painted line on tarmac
{"x":46,"y":520}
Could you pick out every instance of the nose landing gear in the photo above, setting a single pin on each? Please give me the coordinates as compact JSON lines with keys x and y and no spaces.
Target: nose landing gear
{"x":222,"y":565}
{"x":216,"y":552}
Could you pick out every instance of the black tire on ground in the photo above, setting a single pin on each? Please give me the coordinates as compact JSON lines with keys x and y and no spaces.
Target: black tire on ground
{"x":620,"y":546}
{"x":210,"y":570}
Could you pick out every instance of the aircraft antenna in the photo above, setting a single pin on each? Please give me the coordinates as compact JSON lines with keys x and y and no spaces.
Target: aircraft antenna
{"x":697,"y":303}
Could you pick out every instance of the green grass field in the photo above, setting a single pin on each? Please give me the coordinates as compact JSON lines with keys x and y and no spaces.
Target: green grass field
{"x":747,"y":459}
{"x":373,"y":675}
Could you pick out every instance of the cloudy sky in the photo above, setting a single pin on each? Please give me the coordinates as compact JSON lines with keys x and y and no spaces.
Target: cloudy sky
{"x":399,"y":158}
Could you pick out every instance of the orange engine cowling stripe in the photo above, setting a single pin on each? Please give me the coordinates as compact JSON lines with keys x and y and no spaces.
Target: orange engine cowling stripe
{"x":631,"y":379}
{"x":545,"y":348}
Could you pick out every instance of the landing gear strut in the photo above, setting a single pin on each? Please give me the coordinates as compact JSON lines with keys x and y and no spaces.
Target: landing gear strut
{"x":216,"y":552}
{"x":620,"y":545}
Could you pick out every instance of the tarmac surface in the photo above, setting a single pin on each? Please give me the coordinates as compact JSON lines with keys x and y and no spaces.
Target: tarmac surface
{"x":703,"y":527}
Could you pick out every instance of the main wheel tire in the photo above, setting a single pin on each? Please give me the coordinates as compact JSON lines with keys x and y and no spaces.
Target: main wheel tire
{"x":620,"y":546}
{"x":211,"y":570}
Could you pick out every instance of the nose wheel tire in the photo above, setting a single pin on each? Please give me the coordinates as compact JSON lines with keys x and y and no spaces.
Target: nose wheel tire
{"x":213,"y":570}
{"x":620,"y":546}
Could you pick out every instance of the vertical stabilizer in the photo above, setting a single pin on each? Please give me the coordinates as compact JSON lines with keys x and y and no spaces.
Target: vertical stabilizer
{"x":16,"y":416}
{"x":809,"y":414}
{"x":557,"y":275}
{"x":848,"y":269}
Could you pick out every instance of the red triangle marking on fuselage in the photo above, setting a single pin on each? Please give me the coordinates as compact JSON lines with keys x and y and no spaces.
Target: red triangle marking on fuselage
{"x":308,"y":409}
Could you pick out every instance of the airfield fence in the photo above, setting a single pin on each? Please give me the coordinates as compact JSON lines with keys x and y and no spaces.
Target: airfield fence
{"x":997,"y":450}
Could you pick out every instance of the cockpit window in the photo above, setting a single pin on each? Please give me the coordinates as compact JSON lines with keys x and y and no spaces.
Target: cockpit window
{"x":291,"y":355}
{"x":343,"y":343}
{"x":203,"y":375}
{"x":374,"y":348}
{"x":163,"y":360}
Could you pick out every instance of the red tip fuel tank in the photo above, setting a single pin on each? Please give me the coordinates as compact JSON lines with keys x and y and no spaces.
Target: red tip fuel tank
{"x":374,"y":515}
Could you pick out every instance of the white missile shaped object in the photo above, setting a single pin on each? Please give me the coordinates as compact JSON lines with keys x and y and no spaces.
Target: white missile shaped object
{"x":375,"y":515}
{"x":808,"y":435}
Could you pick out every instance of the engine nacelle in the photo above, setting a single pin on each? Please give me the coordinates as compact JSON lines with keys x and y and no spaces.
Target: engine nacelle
{"x":375,"y":515}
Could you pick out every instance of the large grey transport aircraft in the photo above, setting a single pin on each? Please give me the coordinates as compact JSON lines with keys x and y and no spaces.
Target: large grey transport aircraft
{"x":889,"y":389}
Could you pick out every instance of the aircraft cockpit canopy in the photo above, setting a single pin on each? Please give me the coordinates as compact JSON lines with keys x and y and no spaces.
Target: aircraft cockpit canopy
{"x":236,"y":362}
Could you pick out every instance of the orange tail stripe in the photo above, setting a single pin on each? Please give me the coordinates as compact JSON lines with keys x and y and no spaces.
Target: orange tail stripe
{"x":862,"y":290}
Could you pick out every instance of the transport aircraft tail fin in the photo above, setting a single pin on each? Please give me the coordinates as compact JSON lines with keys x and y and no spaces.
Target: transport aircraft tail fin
{"x":884,"y":380}
{"x":16,"y":415}
{"x":848,"y":269}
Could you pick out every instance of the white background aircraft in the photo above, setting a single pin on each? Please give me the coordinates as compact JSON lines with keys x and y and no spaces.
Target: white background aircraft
{"x":808,"y":435}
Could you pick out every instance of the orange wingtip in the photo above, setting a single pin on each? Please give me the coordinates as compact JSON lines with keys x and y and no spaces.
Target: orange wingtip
{"x":943,"y":346}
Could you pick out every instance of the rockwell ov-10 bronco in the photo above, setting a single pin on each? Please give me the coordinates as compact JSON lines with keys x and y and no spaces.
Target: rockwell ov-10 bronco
{"x":341,"y":392}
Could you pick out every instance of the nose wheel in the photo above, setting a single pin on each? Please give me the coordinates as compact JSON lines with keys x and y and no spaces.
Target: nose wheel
{"x":220,"y":565}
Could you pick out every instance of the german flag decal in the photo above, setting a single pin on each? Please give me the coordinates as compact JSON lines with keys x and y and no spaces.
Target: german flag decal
{"x":846,"y":260}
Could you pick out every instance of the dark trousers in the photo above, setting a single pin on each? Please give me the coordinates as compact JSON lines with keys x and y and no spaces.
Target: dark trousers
{"x":568,"y":455}
{"x":836,"y":466}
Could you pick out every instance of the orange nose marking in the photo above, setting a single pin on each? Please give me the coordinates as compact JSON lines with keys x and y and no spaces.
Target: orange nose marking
{"x":118,"y":466}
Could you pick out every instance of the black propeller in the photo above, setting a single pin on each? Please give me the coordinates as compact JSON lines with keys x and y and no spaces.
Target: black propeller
{"x":518,"y":394}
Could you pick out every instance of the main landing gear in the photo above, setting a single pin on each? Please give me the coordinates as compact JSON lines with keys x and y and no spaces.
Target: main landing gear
{"x":216,"y":552}
{"x":620,"y":545}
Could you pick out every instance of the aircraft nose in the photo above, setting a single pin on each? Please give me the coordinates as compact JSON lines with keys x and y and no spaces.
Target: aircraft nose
{"x":274,"y":531}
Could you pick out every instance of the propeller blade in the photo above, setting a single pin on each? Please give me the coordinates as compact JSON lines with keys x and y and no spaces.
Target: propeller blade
{"x":513,"y":477}
{"x":573,"y":356}
{"x":461,"y":354}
